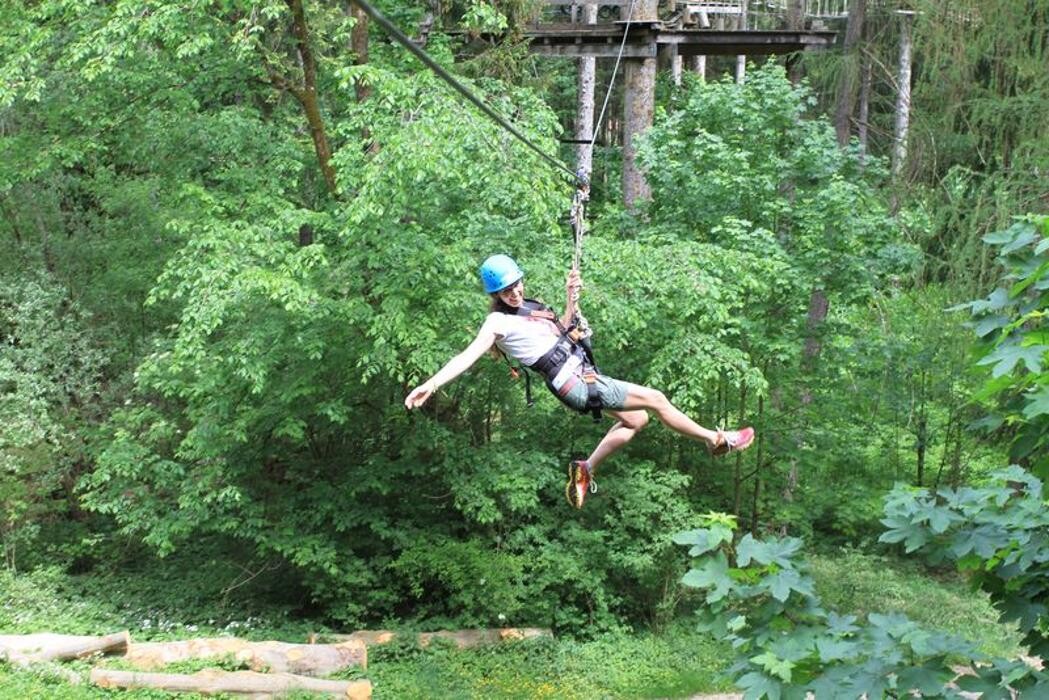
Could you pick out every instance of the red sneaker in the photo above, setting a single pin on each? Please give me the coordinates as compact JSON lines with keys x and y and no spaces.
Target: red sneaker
{"x":733,"y":441}
{"x":580,"y":481}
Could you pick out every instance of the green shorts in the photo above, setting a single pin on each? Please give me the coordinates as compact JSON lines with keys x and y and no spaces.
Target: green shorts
{"x":612,"y":393}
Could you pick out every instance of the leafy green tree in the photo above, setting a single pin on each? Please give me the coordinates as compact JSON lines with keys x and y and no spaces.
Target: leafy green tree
{"x":49,"y":382}
{"x":1013,"y":342}
{"x":749,"y":171}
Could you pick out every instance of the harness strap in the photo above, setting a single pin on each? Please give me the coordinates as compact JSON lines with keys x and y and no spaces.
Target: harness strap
{"x":568,"y":344}
{"x":593,"y":399}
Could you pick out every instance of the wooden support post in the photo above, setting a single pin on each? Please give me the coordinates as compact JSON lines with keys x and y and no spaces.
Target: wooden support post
{"x":699,"y":66}
{"x":638,"y":105}
{"x":741,"y":60}
{"x":584,"y":124}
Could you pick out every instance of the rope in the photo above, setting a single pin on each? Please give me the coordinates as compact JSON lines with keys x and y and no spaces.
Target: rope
{"x":402,"y":39}
{"x":582,"y":193}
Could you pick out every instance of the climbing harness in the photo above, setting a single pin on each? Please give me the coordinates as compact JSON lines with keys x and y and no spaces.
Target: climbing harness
{"x":567,"y":363}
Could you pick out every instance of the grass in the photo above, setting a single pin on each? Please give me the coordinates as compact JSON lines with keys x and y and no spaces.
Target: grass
{"x":852,"y":582}
{"x":678,"y":662}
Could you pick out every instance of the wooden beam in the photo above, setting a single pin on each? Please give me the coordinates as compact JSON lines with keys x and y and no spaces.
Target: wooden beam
{"x":595,"y":50}
{"x":603,"y":41}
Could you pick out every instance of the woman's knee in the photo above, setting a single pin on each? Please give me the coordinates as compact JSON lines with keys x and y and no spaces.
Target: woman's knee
{"x":634,"y":420}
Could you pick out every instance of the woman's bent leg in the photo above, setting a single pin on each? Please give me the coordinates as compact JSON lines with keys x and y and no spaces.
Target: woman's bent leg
{"x":642,"y":397}
{"x":627,"y":425}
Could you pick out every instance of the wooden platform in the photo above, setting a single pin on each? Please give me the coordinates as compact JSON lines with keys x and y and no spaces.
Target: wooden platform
{"x":645,"y":38}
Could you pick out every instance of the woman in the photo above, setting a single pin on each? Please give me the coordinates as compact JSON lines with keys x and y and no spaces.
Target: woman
{"x":532,"y":334}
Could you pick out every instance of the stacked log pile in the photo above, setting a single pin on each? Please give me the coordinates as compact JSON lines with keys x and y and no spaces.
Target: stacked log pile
{"x":277,"y":668}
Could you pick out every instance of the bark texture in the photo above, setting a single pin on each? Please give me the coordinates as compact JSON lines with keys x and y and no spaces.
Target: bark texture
{"x":236,"y":682}
{"x":903,"y":95}
{"x":22,"y":649}
{"x":584,"y":130}
{"x":306,"y":93}
{"x":279,"y":657}
{"x":639,"y":77}
{"x":463,"y":639}
{"x":359,"y":46}
{"x":848,"y":87}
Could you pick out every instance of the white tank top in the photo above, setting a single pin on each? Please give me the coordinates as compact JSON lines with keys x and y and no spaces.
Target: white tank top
{"x":527,"y":338}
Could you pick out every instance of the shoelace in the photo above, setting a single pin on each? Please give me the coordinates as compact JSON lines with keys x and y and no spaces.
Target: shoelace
{"x":590,"y":476}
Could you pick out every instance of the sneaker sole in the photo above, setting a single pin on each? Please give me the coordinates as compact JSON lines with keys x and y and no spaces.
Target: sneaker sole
{"x":573,"y":474}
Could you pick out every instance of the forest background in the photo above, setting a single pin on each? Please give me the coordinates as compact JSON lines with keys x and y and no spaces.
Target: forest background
{"x":236,"y":233}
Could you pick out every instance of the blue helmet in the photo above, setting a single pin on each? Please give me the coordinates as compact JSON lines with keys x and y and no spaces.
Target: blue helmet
{"x":499,"y":272}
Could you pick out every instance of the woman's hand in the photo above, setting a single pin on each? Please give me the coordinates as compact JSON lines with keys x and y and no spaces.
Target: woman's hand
{"x":574,"y":283}
{"x":420,"y":394}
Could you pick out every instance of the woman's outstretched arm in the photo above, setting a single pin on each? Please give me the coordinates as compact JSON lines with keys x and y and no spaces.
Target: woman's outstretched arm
{"x":454,"y":367}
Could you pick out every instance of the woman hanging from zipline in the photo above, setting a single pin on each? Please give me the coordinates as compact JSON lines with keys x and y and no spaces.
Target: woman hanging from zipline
{"x":532,"y":334}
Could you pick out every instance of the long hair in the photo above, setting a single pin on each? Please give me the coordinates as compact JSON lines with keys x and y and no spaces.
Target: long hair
{"x":498,"y":305}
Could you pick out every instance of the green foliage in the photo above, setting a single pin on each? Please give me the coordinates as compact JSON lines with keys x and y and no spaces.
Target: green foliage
{"x":49,"y":380}
{"x":259,"y":330}
{"x":742,"y":166}
{"x":999,"y":533}
{"x":758,"y":597}
{"x":1012,"y":332}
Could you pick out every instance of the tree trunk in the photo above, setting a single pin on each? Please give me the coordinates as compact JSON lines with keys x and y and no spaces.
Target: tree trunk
{"x":819,"y":305}
{"x":306,"y":94}
{"x":359,"y":46}
{"x":304,"y":659}
{"x":639,"y":98}
{"x":737,"y":469}
{"x":865,"y":106}
{"x":922,"y":433}
{"x":22,"y":649}
{"x":584,"y":121}
{"x":238,"y":682}
{"x":903,"y":95}
{"x":463,"y":639}
{"x":847,"y":86}
{"x":755,"y":496}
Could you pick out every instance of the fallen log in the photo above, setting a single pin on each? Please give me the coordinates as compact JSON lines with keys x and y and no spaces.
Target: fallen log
{"x":21,"y":649}
{"x":277,"y":657}
{"x":463,"y":639}
{"x":237,"y":682}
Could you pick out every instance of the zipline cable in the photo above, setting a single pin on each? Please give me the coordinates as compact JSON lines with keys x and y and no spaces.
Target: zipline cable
{"x":402,"y":39}
{"x":582,"y":195}
{"x":612,"y":80}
